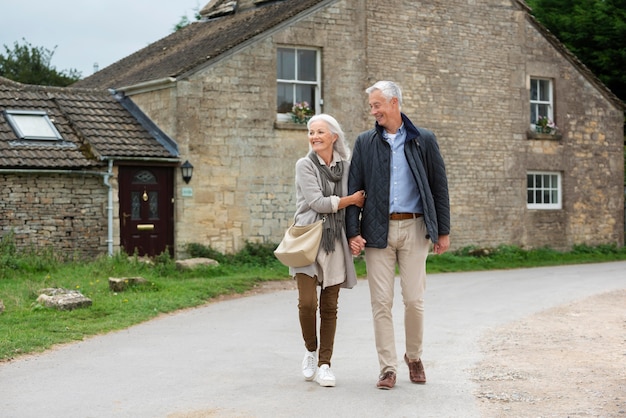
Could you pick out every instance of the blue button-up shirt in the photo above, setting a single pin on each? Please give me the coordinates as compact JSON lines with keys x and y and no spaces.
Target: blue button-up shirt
{"x":404,"y":196}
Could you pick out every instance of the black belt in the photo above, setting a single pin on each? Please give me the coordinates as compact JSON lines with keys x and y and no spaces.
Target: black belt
{"x":402,"y":216}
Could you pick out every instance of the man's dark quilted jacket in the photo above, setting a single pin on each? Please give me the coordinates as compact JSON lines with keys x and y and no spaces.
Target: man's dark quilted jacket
{"x":370,"y":171}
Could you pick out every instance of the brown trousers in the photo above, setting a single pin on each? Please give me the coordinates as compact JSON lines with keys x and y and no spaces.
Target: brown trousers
{"x":307,"y":309}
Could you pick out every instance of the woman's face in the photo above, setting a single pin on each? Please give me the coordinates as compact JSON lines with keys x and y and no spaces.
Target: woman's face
{"x":321,"y":138}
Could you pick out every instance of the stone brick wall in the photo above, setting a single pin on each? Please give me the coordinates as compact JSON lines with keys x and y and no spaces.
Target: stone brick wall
{"x":65,"y":213}
{"x":464,"y":66}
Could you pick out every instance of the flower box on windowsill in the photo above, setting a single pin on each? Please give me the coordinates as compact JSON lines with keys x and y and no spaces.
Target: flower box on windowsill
{"x":552,"y":136}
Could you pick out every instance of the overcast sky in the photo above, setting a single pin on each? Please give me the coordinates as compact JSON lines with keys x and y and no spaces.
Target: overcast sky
{"x":86,"y":32}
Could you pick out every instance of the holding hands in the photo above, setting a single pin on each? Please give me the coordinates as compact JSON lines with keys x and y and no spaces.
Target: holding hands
{"x":357,"y":244}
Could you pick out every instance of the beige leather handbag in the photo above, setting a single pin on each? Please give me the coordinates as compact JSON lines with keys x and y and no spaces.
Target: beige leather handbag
{"x":300,"y":244}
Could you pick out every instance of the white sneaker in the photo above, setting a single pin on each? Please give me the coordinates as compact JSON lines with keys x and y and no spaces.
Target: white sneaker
{"x":325,"y":376}
{"x":309,"y":365}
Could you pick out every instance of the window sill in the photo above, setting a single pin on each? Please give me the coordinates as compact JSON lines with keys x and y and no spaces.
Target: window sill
{"x":549,"y":137}
{"x":290,"y":126}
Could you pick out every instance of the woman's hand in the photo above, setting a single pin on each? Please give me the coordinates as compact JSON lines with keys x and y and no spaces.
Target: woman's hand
{"x":356,"y":198}
{"x":357,"y":244}
{"x":359,"y":198}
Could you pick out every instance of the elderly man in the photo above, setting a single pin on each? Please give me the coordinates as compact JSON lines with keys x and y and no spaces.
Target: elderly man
{"x":403,"y":174}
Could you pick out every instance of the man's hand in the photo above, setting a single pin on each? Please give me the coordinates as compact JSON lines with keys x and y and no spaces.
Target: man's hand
{"x":357,"y":244}
{"x":442,"y":245}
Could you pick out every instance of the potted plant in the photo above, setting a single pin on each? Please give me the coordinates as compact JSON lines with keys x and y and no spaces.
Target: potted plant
{"x":545,"y":126}
{"x":301,"y":112}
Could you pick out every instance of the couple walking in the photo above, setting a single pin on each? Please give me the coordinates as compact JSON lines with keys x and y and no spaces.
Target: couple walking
{"x":390,"y":200}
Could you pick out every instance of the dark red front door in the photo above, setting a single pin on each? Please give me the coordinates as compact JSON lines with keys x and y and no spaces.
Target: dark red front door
{"x":146,"y":210}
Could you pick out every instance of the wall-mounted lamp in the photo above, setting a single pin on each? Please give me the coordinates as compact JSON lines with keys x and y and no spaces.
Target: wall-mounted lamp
{"x":187,"y":171}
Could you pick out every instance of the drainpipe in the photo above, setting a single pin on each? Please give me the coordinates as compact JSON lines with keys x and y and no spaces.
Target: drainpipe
{"x":107,"y":182}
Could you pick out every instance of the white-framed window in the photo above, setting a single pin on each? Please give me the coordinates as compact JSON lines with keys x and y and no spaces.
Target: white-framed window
{"x":297,"y":78}
{"x":543,"y":190}
{"x":541,"y":100}
{"x":32,"y":124}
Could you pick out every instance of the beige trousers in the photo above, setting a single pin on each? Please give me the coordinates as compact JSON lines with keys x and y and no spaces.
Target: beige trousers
{"x":407,"y":247}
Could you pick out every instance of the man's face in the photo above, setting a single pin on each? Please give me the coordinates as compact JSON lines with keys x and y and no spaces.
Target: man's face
{"x":384,"y":111}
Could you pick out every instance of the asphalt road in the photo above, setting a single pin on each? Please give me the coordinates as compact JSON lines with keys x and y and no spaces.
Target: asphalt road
{"x":241,"y":357}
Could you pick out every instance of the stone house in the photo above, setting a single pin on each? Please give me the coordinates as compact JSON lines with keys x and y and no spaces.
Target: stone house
{"x":479,"y":73}
{"x":69,"y":158}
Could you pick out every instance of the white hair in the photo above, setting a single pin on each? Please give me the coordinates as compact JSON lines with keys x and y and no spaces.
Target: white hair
{"x":340,"y":144}
{"x":389,"y":89}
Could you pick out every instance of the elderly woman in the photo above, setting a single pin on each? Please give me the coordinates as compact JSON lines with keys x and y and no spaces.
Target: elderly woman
{"x":321,"y":186}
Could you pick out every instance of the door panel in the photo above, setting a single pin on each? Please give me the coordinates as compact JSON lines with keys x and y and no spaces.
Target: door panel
{"x":146,"y":210}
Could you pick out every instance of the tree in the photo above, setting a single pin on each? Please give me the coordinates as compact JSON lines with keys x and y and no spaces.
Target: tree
{"x":31,"y":65}
{"x":184,"y":20}
{"x":594,"y":30}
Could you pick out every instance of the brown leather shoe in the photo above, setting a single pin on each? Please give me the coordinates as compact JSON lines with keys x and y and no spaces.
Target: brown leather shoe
{"x":416,"y":370}
{"x":386,"y":381}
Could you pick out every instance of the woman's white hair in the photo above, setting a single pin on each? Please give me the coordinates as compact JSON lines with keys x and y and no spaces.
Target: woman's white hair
{"x":340,"y":144}
{"x":389,"y":89}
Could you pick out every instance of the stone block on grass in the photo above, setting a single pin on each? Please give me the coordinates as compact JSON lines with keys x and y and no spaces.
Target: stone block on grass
{"x":119,"y":284}
{"x":63,"y":299}
{"x":192,"y":263}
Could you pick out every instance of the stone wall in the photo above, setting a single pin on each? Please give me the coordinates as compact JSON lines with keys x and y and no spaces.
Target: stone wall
{"x":65,"y":213}
{"x":464,"y":66}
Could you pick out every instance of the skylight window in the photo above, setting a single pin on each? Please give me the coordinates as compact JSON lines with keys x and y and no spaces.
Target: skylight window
{"x":32,"y":124}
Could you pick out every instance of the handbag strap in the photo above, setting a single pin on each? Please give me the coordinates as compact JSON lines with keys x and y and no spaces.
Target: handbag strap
{"x":323,"y":220}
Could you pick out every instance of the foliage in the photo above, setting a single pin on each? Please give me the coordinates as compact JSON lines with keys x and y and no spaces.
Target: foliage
{"x":184,"y":20}
{"x":508,"y":257}
{"x":301,"y":112}
{"x":594,"y":30}
{"x":251,"y":254}
{"x":545,"y":125}
{"x":32,"y":65}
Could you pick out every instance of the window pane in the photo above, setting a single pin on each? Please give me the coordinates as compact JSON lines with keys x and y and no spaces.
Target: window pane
{"x":153,"y":204}
{"x":298,"y":80}
{"x":305,"y":93}
{"x":306,"y":65}
{"x":285,"y":98}
{"x":534,"y":112}
{"x":543,"y":109}
{"x":533,"y":89}
{"x":135,"y":205}
{"x":544,"y":90}
{"x":286,"y":64}
{"x":144,"y":177}
{"x":543,"y":190}
{"x":32,"y":125}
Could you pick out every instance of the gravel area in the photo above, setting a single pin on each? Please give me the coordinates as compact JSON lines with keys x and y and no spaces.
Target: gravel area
{"x":569,"y":361}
